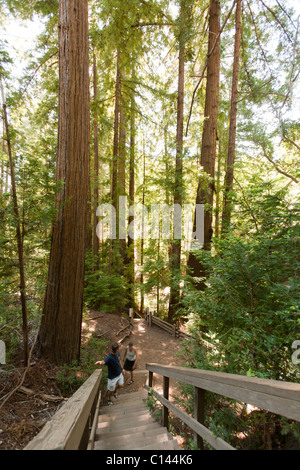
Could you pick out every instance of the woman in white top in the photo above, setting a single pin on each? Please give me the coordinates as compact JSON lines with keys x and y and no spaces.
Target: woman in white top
{"x":130,"y":360}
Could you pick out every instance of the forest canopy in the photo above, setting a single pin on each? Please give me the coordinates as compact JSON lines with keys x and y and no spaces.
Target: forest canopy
{"x":176,"y":105}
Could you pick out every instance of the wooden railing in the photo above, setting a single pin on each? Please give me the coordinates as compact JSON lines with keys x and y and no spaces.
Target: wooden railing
{"x":172,"y":329}
{"x":73,"y":426}
{"x":278,"y":397}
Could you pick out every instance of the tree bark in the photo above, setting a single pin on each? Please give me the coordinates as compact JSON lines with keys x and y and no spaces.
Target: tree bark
{"x":205,"y":190}
{"x":131,"y":244}
{"x":227,"y":204}
{"x":114,"y":244}
{"x":2,"y":187}
{"x":18,"y":232}
{"x":142,"y":304}
{"x":178,"y":190}
{"x":122,"y":187}
{"x":96,"y":170}
{"x":59,"y":336}
{"x":114,"y":189}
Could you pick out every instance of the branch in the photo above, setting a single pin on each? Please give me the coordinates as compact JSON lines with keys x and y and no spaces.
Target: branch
{"x":150,"y":4}
{"x":257,"y":34}
{"x":256,"y":91}
{"x":44,"y":61}
{"x":285,"y":12}
{"x":291,"y":81}
{"x":142,"y":25}
{"x":45,"y":397}
{"x":277,"y":19}
{"x":277,"y":168}
{"x":205,"y":65}
{"x":22,"y":378}
{"x":247,"y":204}
{"x":291,"y":142}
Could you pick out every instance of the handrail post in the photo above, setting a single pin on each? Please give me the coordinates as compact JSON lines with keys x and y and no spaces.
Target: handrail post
{"x":147,"y":316}
{"x":199,"y":413}
{"x":165,"y":415}
{"x":150,"y":382}
{"x":131,"y":315}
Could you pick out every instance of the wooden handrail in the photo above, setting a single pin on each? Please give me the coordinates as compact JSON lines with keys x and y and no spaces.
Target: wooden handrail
{"x":278,"y":397}
{"x":172,"y":329}
{"x":69,"y":428}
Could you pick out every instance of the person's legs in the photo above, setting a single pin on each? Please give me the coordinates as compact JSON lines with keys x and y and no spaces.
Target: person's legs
{"x":109,"y":402}
{"x":126,"y":369}
{"x":130,"y":368}
{"x":131,"y":375}
{"x":111,"y":387}
{"x":119,"y":384}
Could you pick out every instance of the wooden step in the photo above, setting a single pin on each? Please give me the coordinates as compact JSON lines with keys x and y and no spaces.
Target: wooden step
{"x":163,"y":443}
{"x":134,"y":445}
{"x":134,"y":433}
{"x":122,"y":405}
{"x":111,"y":432}
{"x":135,"y":440}
{"x":122,"y":410}
{"x":167,"y":445}
{"x":140,"y":395}
{"x":128,"y":425}
{"x":122,"y":414}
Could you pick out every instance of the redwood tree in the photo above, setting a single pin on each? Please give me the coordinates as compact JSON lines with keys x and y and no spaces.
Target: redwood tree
{"x":178,"y":190}
{"x":96,"y":169}
{"x":60,"y":329}
{"x":205,"y":190}
{"x":184,"y":29}
{"x":227,"y":207}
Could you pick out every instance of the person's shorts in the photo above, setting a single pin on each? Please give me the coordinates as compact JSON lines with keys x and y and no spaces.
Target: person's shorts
{"x":112,"y":383}
{"x":128,"y":365}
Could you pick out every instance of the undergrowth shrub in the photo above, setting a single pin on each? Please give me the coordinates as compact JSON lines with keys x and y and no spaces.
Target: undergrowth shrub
{"x":70,"y":377}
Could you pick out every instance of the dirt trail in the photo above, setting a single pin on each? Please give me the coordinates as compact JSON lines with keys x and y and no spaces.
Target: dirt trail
{"x":153,"y":345}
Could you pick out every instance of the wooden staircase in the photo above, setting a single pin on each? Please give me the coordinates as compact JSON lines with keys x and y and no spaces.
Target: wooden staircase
{"x":128,"y":425}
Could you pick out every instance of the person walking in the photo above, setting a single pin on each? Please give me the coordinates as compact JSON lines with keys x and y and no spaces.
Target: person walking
{"x":116,"y":373}
{"x":130,"y":360}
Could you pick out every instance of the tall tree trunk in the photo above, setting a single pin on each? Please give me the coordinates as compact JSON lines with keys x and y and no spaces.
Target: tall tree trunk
{"x":142,"y":237}
{"x":218,"y":190}
{"x":130,"y":255}
{"x":178,"y":190}
{"x":96,"y":170}
{"x":114,"y":168}
{"x":114,"y":188}
{"x":227,"y":204}
{"x":2,"y":187}
{"x":205,"y":190}
{"x":19,"y":232}
{"x":122,"y":187}
{"x":60,"y":330}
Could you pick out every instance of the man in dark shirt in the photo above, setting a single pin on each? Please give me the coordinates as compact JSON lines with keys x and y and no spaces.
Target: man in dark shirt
{"x":115,"y":376}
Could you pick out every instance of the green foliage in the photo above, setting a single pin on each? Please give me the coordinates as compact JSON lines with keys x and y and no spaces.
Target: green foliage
{"x":103,"y":290}
{"x":184,"y":27}
{"x":70,"y":377}
{"x":153,"y":406}
{"x":250,"y":308}
{"x":28,"y":9}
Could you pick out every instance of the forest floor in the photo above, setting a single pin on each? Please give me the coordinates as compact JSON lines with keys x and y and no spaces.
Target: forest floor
{"x":153,"y":345}
{"x":30,"y":397}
